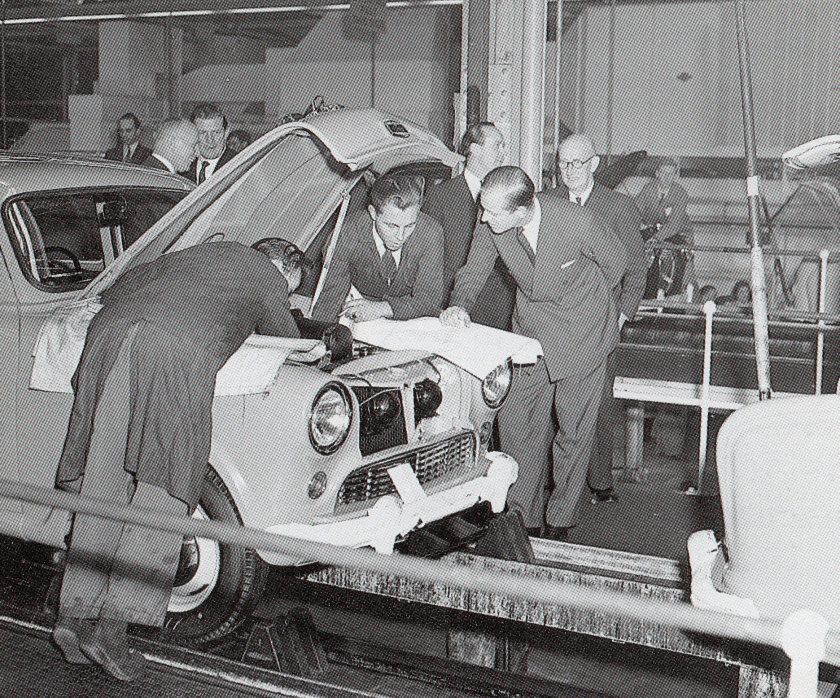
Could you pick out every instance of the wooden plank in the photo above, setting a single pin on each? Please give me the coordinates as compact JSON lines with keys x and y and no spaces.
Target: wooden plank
{"x":609,"y":562}
{"x":544,"y":614}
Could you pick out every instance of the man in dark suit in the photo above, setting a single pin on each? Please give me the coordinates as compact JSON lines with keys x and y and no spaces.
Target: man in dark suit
{"x":140,"y":427}
{"x":129,"y":149}
{"x":577,"y":163}
{"x":391,"y":254}
{"x":454,"y":204}
{"x":566,"y":263}
{"x":213,"y":153}
{"x":175,"y":142}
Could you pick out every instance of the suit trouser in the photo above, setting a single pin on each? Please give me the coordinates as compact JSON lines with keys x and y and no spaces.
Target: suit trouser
{"x":528,"y":433}
{"x":115,"y":570}
{"x":600,"y":464}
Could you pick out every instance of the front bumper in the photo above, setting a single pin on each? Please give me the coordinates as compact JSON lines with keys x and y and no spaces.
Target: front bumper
{"x":392,"y":517}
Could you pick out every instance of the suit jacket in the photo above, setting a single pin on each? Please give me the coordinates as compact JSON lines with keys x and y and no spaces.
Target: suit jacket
{"x":417,"y":288}
{"x":138,"y":157}
{"x":620,"y":213}
{"x":654,"y":211}
{"x":192,"y":172}
{"x":565,"y":298}
{"x":188,"y":312}
{"x":452,"y":205}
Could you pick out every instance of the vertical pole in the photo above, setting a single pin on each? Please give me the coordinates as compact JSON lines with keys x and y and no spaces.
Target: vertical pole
{"x":532,"y":111}
{"x":461,"y":117}
{"x":4,"y":143}
{"x":610,"y":81}
{"x":558,"y":35}
{"x":759,"y":291}
{"x":821,"y":322}
{"x":709,"y":309}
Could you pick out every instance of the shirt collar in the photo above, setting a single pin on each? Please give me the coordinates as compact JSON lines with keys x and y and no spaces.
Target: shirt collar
{"x":473,"y":183}
{"x":532,"y":228}
{"x":167,"y":163}
{"x":380,"y":247}
{"x":584,"y":197}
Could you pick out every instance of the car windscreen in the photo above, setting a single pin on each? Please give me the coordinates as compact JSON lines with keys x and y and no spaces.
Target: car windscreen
{"x":63,"y":239}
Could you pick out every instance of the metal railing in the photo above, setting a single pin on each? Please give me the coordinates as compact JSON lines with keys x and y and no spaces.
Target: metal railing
{"x":803,"y":635}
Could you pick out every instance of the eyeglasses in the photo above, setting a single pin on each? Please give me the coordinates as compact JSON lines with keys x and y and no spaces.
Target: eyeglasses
{"x":575,"y":164}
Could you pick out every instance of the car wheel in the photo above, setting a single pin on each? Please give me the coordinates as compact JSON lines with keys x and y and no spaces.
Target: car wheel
{"x":216,"y":585}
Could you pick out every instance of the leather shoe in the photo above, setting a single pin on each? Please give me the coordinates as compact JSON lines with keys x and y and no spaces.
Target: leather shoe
{"x":559,"y":533}
{"x":107,"y":645}
{"x":68,"y":633}
{"x":604,"y":496}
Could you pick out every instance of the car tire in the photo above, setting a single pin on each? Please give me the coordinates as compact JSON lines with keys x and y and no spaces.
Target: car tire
{"x":217,"y":584}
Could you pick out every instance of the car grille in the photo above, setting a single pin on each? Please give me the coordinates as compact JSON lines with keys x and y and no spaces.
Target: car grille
{"x":428,"y":463}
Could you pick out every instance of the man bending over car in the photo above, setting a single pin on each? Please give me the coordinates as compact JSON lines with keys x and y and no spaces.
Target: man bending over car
{"x":140,"y":427}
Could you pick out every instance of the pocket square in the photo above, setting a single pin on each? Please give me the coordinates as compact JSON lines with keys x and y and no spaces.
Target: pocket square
{"x":566,"y":265}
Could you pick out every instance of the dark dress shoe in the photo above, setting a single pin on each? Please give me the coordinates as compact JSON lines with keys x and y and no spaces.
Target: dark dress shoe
{"x":68,"y":633}
{"x":107,"y":645}
{"x":604,"y":496}
{"x":559,"y":533}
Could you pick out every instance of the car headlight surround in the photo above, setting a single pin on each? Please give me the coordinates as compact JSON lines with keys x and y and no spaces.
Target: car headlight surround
{"x":330,"y":418}
{"x":496,"y":384}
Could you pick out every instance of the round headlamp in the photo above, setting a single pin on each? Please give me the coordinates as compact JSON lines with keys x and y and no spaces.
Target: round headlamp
{"x":496,"y":385}
{"x":330,"y":418}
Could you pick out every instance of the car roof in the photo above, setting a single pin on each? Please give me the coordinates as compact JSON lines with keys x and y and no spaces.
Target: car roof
{"x":21,"y":173}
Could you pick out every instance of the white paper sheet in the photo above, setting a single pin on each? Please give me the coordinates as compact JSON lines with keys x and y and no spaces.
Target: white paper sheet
{"x":477,"y":349}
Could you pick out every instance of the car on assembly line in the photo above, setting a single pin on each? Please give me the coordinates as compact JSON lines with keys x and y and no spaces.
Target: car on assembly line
{"x":305,"y":443}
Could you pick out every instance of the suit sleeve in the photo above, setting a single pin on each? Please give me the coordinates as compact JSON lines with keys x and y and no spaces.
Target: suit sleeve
{"x":276,"y":318}
{"x":471,"y":278}
{"x":604,"y":247}
{"x":337,"y":281}
{"x":678,"y":222}
{"x":427,"y":294}
{"x":635,"y":275}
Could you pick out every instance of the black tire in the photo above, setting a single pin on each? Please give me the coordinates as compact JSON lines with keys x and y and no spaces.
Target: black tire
{"x":238,"y":586}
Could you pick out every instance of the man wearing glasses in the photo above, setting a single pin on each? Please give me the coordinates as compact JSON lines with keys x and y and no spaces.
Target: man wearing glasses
{"x":577,"y":162}
{"x":140,"y":428}
{"x":566,"y":263}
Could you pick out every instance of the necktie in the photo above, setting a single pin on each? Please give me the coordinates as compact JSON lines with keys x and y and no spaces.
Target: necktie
{"x":389,"y":266}
{"x":126,"y":153}
{"x":523,"y":241}
{"x":579,"y":200}
{"x":661,"y":196}
{"x":202,"y":171}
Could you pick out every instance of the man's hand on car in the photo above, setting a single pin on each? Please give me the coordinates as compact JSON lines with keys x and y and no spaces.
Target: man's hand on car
{"x":455,"y":316}
{"x":362,"y":310}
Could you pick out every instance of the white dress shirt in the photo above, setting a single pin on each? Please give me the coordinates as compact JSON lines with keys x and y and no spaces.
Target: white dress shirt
{"x":380,"y":247}
{"x":473,"y":183}
{"x":584,"y":197}
{"x":531,"y":230}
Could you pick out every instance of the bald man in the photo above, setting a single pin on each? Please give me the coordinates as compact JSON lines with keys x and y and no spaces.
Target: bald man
{"x":577,"y":163}
{"x":174,"y":149}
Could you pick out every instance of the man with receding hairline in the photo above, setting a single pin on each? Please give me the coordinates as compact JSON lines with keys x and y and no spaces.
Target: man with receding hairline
{"x":566,"y":263}
{"x":130,"y":149}
{"x":577,"y":163}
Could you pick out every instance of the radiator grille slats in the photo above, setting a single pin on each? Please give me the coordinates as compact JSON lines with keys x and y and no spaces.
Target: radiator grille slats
{"x":429,"y":463}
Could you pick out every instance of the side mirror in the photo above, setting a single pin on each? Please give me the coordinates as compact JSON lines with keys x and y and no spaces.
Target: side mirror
{"x":113,"y":212}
